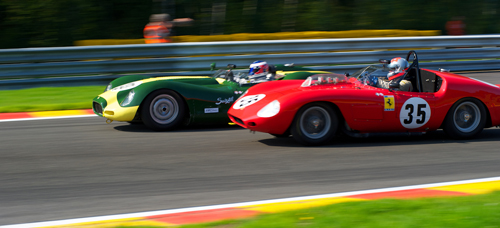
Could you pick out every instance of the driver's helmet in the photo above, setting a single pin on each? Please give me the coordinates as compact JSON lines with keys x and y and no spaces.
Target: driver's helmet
{"x":397,"y":66}
{"x":258,"y":68}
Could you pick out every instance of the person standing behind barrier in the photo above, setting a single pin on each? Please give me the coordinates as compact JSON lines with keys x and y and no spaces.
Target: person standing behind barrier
{"x":159,"y":28}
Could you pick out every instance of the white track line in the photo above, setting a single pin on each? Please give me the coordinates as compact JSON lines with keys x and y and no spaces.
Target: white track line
{"x":190,"y":209}
{"x":47,"y":118}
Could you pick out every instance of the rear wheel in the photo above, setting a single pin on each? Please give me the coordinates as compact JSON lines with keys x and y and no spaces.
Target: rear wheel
{"x":163,"y":110}
{"x":465,"y":119}
{"x":314,"y":124}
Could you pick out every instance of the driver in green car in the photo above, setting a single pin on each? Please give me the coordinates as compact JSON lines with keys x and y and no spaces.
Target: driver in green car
{"x":259,"y":72}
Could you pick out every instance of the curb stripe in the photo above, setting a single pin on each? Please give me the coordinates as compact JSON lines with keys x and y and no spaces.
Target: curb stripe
{"x":24,"y":116}
{"x":204,"y":216}
{"x":296,"y":205}
{"x":95,"y":223}
{"x":408,"y":194}
{"x":475,"y":188}
{"x":61,"y":113}
{"x":197,"y":214}
{"x":6,"y":116}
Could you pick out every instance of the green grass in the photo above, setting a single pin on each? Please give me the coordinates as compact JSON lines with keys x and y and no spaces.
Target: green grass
{"x":48,"y":98}
{"x":456,"y":212}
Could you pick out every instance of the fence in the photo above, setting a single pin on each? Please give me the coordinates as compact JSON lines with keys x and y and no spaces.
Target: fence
{"x":28,"y":67}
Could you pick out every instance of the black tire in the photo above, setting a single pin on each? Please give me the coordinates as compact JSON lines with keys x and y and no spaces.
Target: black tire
{"x":314,"y":124}
{"x":163,"y":110}
{"x":465,"y":119}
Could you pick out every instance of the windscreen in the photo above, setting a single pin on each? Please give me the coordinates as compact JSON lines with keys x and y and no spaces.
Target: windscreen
{"x":372,"y":70}
{"x":322,"y":79}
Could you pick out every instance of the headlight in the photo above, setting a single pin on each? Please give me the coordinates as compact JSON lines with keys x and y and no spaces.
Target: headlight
{"x":270,"y":109}
{"x":108,"y":87}
{"x":128,"y":99}
{"x":127,"y":86}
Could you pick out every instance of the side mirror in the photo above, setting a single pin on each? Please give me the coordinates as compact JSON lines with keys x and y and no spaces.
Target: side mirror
{"x":384,"y":61}
{"x":231,"y":66}
{"x":212,"y":66}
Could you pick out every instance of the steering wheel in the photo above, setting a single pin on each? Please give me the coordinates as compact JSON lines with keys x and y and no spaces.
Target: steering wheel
{"x":365,"y":78}
{"x":229,"y":75}
{"x":414,"y":65}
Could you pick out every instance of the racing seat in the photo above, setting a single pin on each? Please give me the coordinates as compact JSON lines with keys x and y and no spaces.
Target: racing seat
{"x":428,"y":81}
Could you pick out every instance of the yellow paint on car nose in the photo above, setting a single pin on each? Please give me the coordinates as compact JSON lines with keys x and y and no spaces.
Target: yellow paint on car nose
{"x":116,"y":112}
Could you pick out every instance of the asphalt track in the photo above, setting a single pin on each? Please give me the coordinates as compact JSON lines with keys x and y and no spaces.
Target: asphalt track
{"x":81,"y":167}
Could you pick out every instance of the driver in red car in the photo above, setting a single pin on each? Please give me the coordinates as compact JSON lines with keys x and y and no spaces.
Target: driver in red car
{"x":398,"y":67}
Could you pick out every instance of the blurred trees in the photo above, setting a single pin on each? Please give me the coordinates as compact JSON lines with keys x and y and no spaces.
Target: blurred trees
{"x":38,"y":23}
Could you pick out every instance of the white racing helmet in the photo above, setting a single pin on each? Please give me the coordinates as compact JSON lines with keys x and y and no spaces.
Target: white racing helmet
{"x":259,"y":72}
{"x":258,"y":68}
{"x":397,"y":66}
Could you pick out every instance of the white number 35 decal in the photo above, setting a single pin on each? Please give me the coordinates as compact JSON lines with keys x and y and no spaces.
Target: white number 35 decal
{"x":415,"y":113}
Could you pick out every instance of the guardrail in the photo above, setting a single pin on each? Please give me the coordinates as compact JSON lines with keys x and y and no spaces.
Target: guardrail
{"x":32,"y":66}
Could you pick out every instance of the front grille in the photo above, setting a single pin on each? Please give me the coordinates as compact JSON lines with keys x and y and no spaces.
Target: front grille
{"x":238,"y":120}
{"x":97,"y":108}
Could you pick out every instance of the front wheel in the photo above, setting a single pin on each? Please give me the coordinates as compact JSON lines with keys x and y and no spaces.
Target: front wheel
{"x":465,"y":119}
{"x":314,"y":124}
{"x":163,"y":110}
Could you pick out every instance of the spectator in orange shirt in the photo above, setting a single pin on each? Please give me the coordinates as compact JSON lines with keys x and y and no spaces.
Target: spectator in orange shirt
{"x":159,"y":28}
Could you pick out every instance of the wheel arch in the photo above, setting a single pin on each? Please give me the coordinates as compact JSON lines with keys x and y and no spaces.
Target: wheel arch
{"x":316,"y":123}
{"x":332,"y":105}
{"x":488,"y":114}
{"x":187,"y":107}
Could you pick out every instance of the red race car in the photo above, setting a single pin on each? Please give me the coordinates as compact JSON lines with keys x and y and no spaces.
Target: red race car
{"x":315,"y":110}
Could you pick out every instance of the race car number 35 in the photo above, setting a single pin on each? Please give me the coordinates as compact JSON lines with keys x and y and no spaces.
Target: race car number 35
{"x":415,"y":113}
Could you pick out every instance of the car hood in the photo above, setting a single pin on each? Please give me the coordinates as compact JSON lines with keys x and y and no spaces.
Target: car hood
{"x":200,"y":80}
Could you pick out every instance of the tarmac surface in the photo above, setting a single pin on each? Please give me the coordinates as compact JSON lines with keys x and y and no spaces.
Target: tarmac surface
{"x":55,"y":169}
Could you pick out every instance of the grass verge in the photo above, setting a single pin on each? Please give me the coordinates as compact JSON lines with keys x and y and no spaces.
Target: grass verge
{"x":48,"y":98}
{"x":457,"y":212}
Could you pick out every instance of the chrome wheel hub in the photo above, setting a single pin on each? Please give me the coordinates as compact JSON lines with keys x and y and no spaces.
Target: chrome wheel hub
{"x":164,"y":109}
{"x":315,"y":122}
{"x":467,"y":117}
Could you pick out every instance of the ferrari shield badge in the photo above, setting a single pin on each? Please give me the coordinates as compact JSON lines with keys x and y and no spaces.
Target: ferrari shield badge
{"x":389,"y":103}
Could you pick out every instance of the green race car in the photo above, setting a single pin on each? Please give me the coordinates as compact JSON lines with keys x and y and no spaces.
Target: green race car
{"x":164,"y":103}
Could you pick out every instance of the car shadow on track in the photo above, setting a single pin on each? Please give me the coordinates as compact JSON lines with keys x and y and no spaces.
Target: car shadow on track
{"x":390,"y":139}
{"x":139,"y":127}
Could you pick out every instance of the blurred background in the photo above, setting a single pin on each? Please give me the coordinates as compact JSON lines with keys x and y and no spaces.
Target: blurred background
{"x":50,"y":23}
